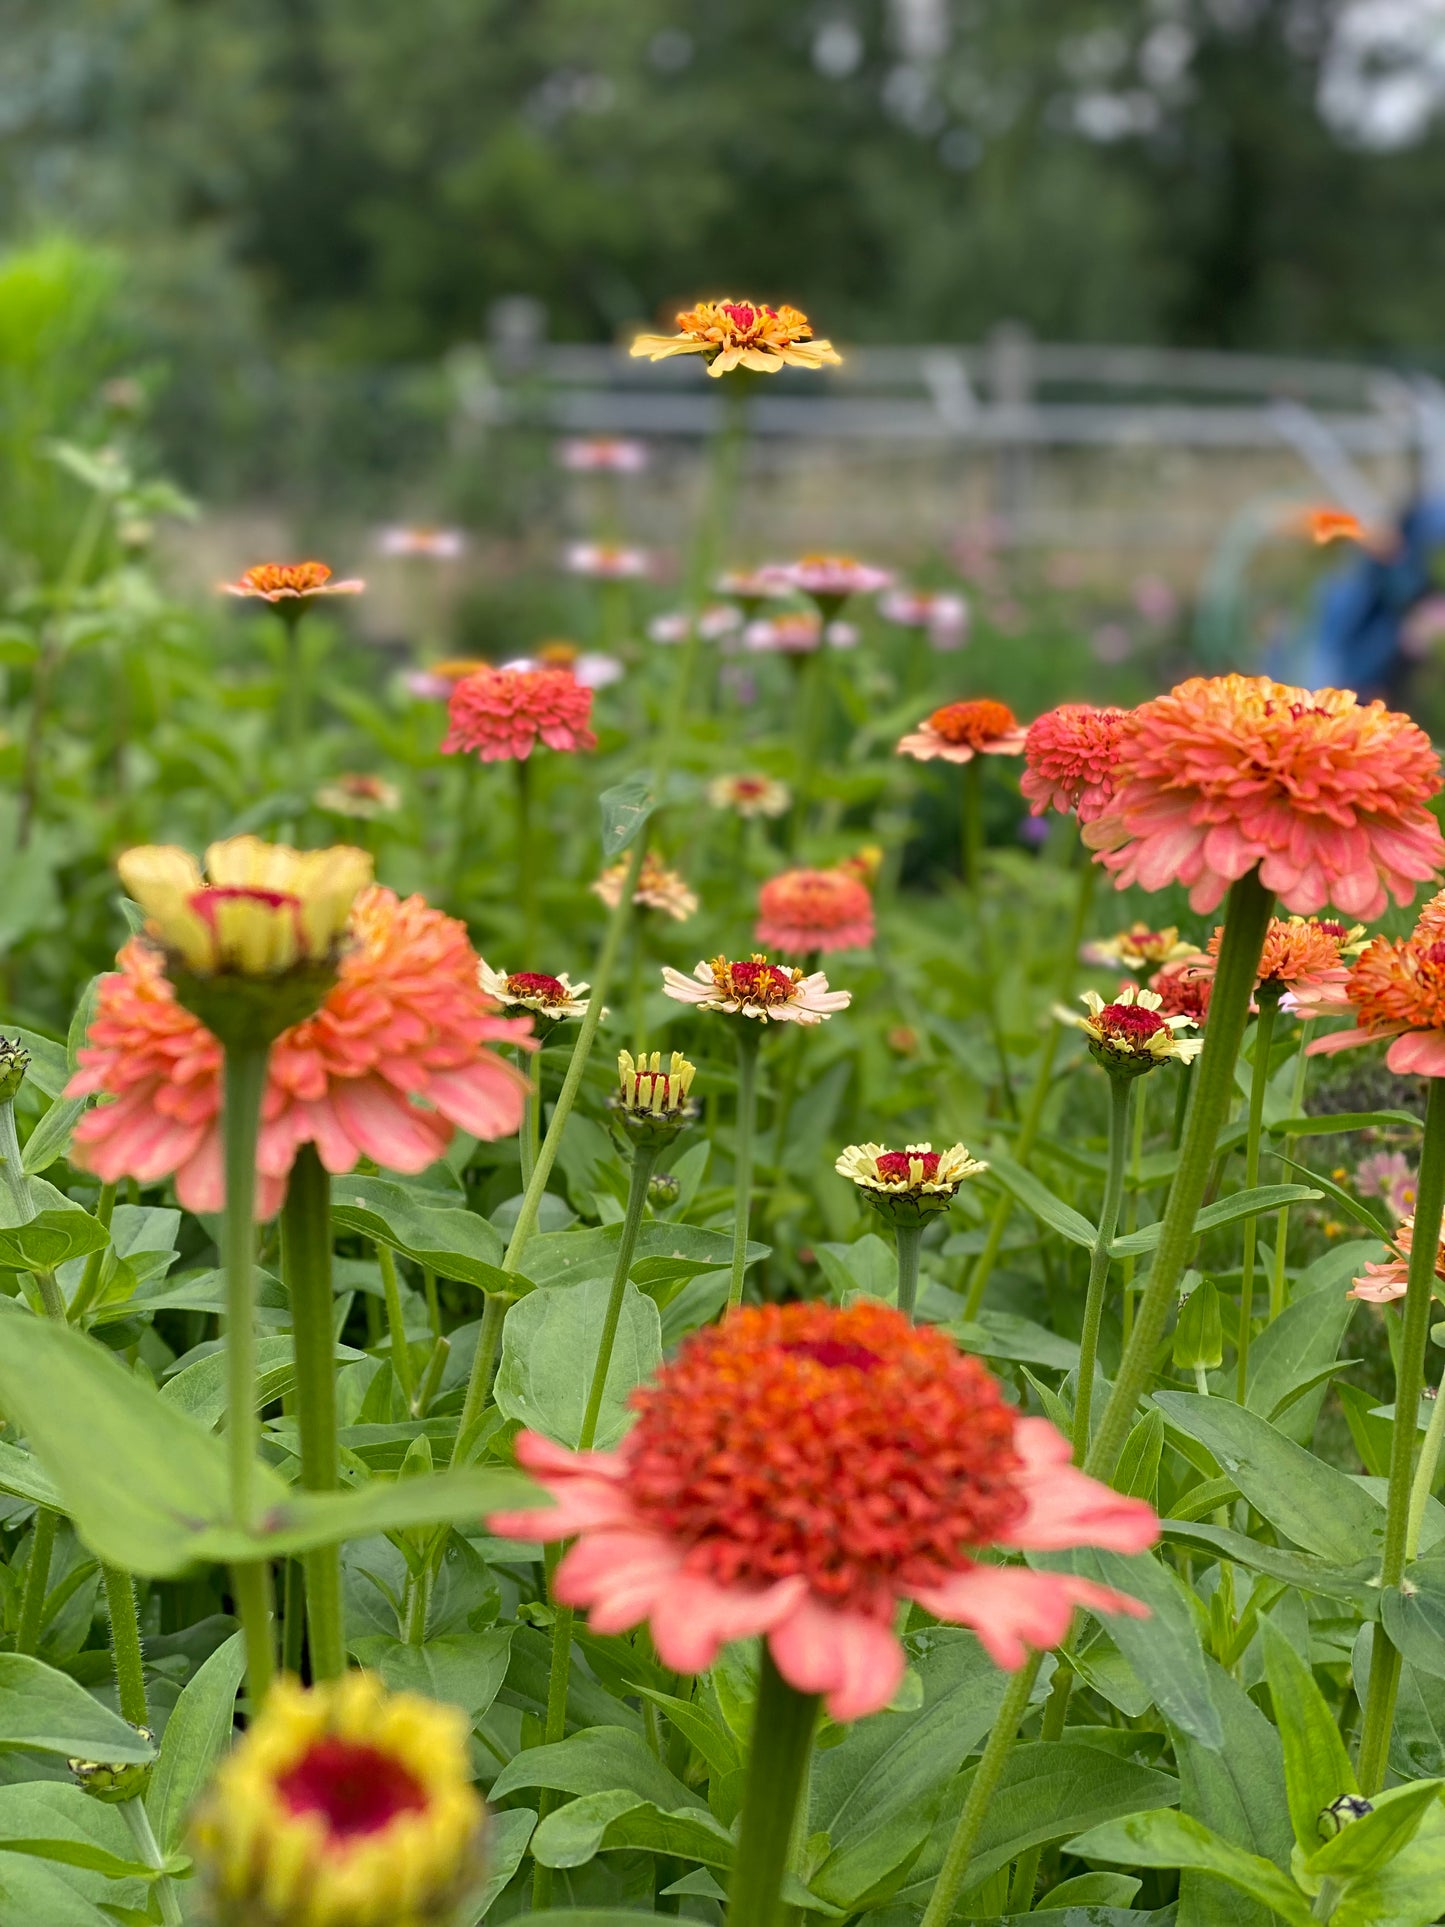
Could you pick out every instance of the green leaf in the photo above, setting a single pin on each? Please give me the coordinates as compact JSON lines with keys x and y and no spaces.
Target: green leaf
{"x":50,"y":1066}
{"x":1367,"y":1843}
{"x":869,"y":1265}
{"x":599,"y":1759}
{"x":707,"y":1736}
{"x":50,"y":1238}
{"x":1137,"y":1473}
{"x":32,"y":1892}
{"x":49,"y":1712}
{"x":51,"y":1137}
{"x":1198,"y":1330}
{"x":1090,"y":1890}
{"x":1237,"y":1790}
{"x":1414,"y":1616}
{"x":1317,"y":1768}
{"x":25,"y":1477}
{"x":197,"y":1734}
{"x":617,"y":1819}
{"x":464,"y":1669}
{"x":1004,"y":1334}
{"x":508,"y":1834}
{"x":446,"y":1239}
{"x":625,"y":809}
{"x":1349,"y":1204}
{"x":1038,"y":1199}
{"x":302,"y":1521}
{"x":1243,"y":1204}
{"x":549,"y":1351}
{"x":1358,"y":1584}
{"x":1335,"y":1122}
{"x":1311,"y":1503}
{"x":1408,"y":1891}
{"x":1165,"y":1839}
{"x":591,"y":1917}
{"x":665,"y":1253}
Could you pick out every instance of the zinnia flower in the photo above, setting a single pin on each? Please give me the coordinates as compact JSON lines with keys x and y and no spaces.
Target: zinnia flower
{"x":910,"y":1185}
{"x":750,"y":795}
{"x":797,"y":1471}
{"x":1138,"y":948}
{"x":1303,"y":961}
{"x":741,"y":334}
{"x":436,"y":682}
{"x":1323,"y":525}
{"x":658,"y":888}
{"x":434,"y":545}
{"x":943,"y":615}
{"x":607,"y":561}
{"x":753,"y":987}
{"x":1133,"y":1034}
{"x":555,"y":997}
{"x":1382,"y":1284}
{"x":1391,"y":1176}
{"x":960,"y":731}
{"x":714,"y":622}
{"x":806,"y":910}
{"x":358,"y":795}
{"x":1069,"y":757}
{"x":603,"y":454}
{"x":749,"y":588}
{"x":652,"y":1101}
{"x":343,"y":1806}
{"x":1325,"y":794}
{"x":591,"y":667}
{"x":501,"y":714}
{"x":394,"y":1059}
{"x":797,"y":632}
{"x":285,"y":582}
{"x":1184,"y":986}
{"x":829,"y":580}
{"x":1396,"y":991}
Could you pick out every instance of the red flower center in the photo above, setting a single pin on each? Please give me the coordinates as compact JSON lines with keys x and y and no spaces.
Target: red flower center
{"x":747,"y":787}
{"x":743,"y":316}
{"x":1332,"y":929}
{"x":849,"y":1446}
{"x":973,"y":724}
{"x":897,"y":1164}
{"x":1130,"y":1023}
{"x":755,"y":981}
{"x":356,"y":1790}
{"x":532,"y":983}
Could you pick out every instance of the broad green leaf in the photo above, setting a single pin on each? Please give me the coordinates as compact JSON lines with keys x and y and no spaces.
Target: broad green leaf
{"x":869,"y":1265}
{"x":1358,"y":1584}
{"x":1137,"y":1472}
{"x":51,"y":1137}
{"x":549,"y":1350}
{"x":1004,"y":1334}
{"x":1237,"y":1790}
{"x":200,"y":1390}
{"x":1409,"y":1891}
{"x":197,"y":1734}
{"x":465,"y":1669}
{"x":50,"y":1238}
{"x":599,"y":1759}
{"x":1346,"y":1201}
{"x":25,"y":1477}
{"x":591,"y":1917}
{"x":1243,"y":1204}
{"x":81,"y":1853}
{"x":33,"y":1892}
{"x":450,"y":1241}
{"x":625,"y":809}
{"x":1415,"y":1619}
{"x":302,"y":1521}
{"x":508,"y":1834}
{"x":1365,"y":1844}
{"x":1311,"y":1503}
{"x":1165,"y":1839}
{"x":54,"y":1820}
{"x":48,"y":1712}
{"x":1296,"y":1352}
{"x":1317,"y":1768}
{"x":1334,"y":1123}
{"x":1090,"y":1891}
{"x":707,"y":1736}
{"x":1038,"y":1199}
{"x":617,"y":1819}
{"x":665,"y":1253}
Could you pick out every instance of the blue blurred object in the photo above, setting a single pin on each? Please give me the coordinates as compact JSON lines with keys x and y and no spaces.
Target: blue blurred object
{"x":1353,"y":637}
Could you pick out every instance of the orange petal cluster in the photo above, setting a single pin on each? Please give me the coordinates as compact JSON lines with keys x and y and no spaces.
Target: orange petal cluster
{"x":500,"y":715}
{"x":960,"y":731}
{"x":1069,"y":757}
{"x":807,"y":910}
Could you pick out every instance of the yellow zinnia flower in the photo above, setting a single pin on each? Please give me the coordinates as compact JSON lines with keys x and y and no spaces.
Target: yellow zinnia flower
{"x":741,"y":334}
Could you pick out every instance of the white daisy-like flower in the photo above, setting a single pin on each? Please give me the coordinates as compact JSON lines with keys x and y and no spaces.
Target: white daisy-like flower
{"x":1138,"y":948}
{"x":910,"y":1184}
{"x":607,"y":561}
{"x":554,"y":997}
{"x":1130,"y":1034}
{"x":754,"y":987}
{"x":750,"y":795}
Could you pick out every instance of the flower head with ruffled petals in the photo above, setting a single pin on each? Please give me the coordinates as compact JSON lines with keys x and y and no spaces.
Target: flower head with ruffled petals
{"x":960,"y":731}
{"x":1133,"y":1033}
{"x":289,"y":586}
{"x":754,"y":987}
{"x":815,"y":910}
{"x":797,"y":1471}
{"x":732,"y":334}
{"x":750,"y":795}
{"x":657,"y":888}
{"x":1184,"y":986}
{"x":1396,"y":993}
{"x":1069,"y":757}
{"x":911,"y":1185}
{"x":501,"y":715}
{"x":1382,"y":1284}
{"x":391,"y":1063}
{"x":533,"y":990}
{"x":1304,"y":961}
{"x":1325,"y":795}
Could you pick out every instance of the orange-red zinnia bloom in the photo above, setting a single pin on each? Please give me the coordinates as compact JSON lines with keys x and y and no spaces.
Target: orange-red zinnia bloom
{"x":289,"y":582}
{"x":1305,"y":957}
{"x":741,"y":334}
{"x":822,"y":910}
{"x":1395,"y":991}
{"x":500,"y":714}
{"x":1069,"y":756}
{"x":1184,"y":986}
{"x":960,"y":731}
{"x":393,"y":1060}
{"x":797,"y":1471}
{"x":1324,"y":793}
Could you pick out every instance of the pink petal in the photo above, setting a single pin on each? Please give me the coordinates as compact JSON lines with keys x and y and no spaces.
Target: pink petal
{"x":486,"y":1098}
{"x":1066,"y":1506}
{"x":697,"y":1616}
{"x":1012,"y":1609}
{"x":1419,"y":1052}
{"x":1347,"y":1040}
{"x":383,"y":1124}
{"x":856,"y":1661}
{"x":621,"y":1576}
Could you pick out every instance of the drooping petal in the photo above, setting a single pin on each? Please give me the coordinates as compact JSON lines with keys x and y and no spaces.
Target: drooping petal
{"x":1066,"y":1506}
{"x":850,"y":1657}
{"x":1012,"y":1608}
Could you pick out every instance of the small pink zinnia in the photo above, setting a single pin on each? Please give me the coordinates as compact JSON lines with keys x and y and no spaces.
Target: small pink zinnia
{"x":607,"y":561}
{"x":1383,"y":1284}
{"x":1069,"y":758}
{"x":960,"y":731}
{"x":390,"y":1064}
{"x":603,"y":455}
{"x":943,"y":614}
{"x":822,"y":910}
{"x":282,"y":583}
{"x":1325,"y":794}
{"x":501,"y":713}
{"x":1396,"y":992}
{"x":799,"y":1470}
{"x":829,"y":580}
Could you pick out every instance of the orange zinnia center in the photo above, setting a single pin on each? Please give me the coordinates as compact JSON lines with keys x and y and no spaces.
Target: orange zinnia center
{"x":1400,"y":984}
{"x":303,"y":578}
{"x":972,"y":725}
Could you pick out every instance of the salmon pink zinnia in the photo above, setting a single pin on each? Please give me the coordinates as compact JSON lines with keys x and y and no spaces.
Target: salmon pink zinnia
{"x":807,"y":910}
{"x":500,"y":714}
{"x":1069,"y":757}
{"x":390,"y":1063}
{"x":797,"y":1471}
{"x":1395,"y":991}
{"x":1324,"y":794}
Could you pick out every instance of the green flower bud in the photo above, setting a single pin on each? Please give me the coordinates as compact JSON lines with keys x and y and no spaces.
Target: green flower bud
{"x":14,"y":1062}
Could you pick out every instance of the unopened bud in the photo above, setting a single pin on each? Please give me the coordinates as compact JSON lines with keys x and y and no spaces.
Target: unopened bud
{"x":652,"y":1100}
{"x":663,"y":1189}
{"x":114,"y":1781}
{"x":14,"y":1062}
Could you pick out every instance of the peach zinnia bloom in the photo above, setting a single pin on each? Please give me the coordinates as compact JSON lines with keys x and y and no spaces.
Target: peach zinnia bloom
{"x":753,"y":987}
{"x":390,"y":1063}
{"x":281,"y":582}
{"x":943,"y":614}
{"x":1138,"y":948}
{"x":1382,"y":1284}
{"x":1325,"y":794}
{"x":434,"y":545}
{"x":741,"y":334}
{"x":799,"y":1470}
{"x":501,"y":714}
{"x":658,"y":888}
{"x":829,"y":579}
{"x":823,"y":910}
{"x":607,"y":561}
{"x":1069,"y":757}
{"x":1304,"y":958}
{"x":603,"y":455}
{"x":1324,"y":525}
{"x":960,"y":731}
{"x":750,"y":795}
{"x":1395,"y":991}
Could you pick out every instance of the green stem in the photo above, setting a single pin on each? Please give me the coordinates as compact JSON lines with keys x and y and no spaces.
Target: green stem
{"x":644,"y":1157}
{"x":89,"y":1287}
{"x":1131,"y":1212}
{"x":37,"y":1583}
{"x":1425,"y":1475}
{"x":245,"y":1086}
{"x":749,"y":1041}
{"x":720,"y":488}
{"x":293,"y":1619}
{"x":1281,"y":1223}
{"x":1258,"y":1084}
{"x":1121,"y":1092}
{"x":1056,"y":1711}
{"x":251,"y":1590}
{"x":489,"y":1339}
{"x":909,"y":1238}
{"x":306,"y":1270}
{"x":526,"y":868}
{"x":295,"y":695}
{"x":530,"y":1132}
{"x":125,"y":1645}
{"x":400,"y":1350}
{"x":1409,"y":1378}
{"x":986,"y":1776}
{"x":167,"y":1899}
{"x":971,"y":851}
{"x":782,"y":1746}
{"x":1246,"y":920}
{"x":23,"y":1207}
{"x":601,"y":980}
{"x":554,"y":1729}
